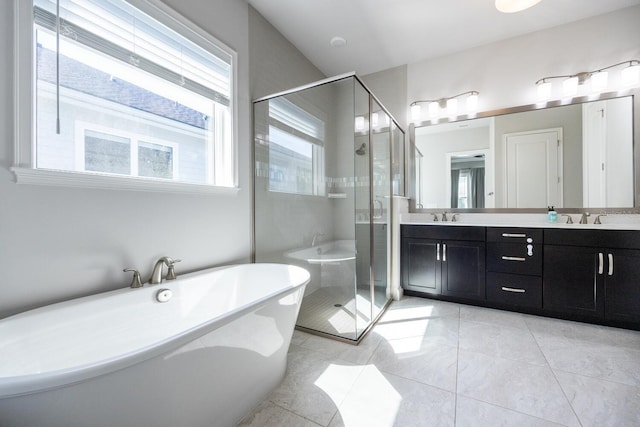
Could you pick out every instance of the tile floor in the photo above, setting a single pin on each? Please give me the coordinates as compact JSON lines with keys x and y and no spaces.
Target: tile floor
{"x":432,"y":363}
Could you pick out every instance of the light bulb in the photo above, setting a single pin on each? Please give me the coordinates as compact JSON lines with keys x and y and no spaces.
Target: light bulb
{"x":452,"y":106}
{"x":415,"y":112}
{"x":374,"y":119}
{"x":631,"y":75}
{"x":570,"y":86}
{"x":472,"y":103}
{"x":599,"y":81}
{"x":544,"y":91}
{"x":434,"y":109}
{"x":359,"y":123}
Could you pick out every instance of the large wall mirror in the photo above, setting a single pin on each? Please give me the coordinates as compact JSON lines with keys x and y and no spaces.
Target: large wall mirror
{"x":577,"y":155}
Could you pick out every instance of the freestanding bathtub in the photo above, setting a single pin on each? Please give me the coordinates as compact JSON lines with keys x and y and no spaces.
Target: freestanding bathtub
{"x":205,"y":357}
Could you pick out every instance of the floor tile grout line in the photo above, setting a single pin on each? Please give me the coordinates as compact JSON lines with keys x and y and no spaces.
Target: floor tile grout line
{"x":455,"y":394}
{"x":512,"y":410}
{"x":606,"y":380}
{"x":555,"y":377}
{"x":298,"y":415}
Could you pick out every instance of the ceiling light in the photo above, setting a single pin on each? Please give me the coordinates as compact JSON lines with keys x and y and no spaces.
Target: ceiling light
{"x":511,"y":6}
{"x":338,"y":41}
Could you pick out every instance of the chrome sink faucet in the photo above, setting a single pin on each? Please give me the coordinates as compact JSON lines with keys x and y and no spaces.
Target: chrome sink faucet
{"x":444,"y":216}
{"x":156,"y":274}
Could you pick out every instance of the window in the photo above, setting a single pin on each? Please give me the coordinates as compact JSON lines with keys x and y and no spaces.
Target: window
{"x":119,"y":90}
{"x":126,"y":154}
{"x":463,"y":189}
{"x":296,"y":150}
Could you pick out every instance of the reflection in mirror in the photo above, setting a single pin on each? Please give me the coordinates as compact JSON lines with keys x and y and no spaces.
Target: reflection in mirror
{"x":569,"y":156}
{"x":467,"y":182}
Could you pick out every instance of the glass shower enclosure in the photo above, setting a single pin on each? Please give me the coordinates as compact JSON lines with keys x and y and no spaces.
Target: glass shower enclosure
{"x":328,"y":158}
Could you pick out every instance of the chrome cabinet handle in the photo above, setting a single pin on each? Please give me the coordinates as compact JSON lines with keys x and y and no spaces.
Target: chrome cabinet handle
{"x":438,"y":252}
{"x":444,"y":252}
{"x":600,"y":263}
{"x":517,"y":235}
{"x":610,"y":264}
{"x":513,"y":258}
{"x":516,"y":290}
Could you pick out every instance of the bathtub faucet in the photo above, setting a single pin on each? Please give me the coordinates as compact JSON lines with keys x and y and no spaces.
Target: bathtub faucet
{"x":156,"y":275}
{"x":315,"y":238}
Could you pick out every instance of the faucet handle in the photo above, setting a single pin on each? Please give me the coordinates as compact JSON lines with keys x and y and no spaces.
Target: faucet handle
{"x":435,"y":217}
{"x":569,"y":219}
{"x":171,"y":273}
{"x":136,"y":282}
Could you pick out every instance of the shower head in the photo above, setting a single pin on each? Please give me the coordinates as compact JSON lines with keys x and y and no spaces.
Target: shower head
{"x":361,"y":151}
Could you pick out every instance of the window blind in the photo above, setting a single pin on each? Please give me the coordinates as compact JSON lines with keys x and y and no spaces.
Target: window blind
{"x":119,"y":30}
{"x":295,"y":120}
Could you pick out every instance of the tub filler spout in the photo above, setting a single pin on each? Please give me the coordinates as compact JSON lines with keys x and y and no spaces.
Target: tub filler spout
{"x":156,"y":274}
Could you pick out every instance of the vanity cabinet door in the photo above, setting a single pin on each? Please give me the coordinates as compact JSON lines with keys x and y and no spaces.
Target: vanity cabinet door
{"x":622,"y":280}
{"x":463,"y":269}
{"x":573,"y":280}
{"x":421,"y":265}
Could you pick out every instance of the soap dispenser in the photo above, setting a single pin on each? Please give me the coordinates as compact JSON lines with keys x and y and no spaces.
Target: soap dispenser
{"x":552,"y":215}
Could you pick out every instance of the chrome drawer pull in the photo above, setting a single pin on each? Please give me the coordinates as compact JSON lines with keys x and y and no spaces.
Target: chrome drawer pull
{"x":518,"y":235}
{"x":444,"y":252}
{"x":438,"y":252}
{"x":610,"y":264}
{"x":513,"y":258}
{"x":516,"y":290}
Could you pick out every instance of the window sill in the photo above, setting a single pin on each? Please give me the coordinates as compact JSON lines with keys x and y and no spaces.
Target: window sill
{"x":111,"y":182}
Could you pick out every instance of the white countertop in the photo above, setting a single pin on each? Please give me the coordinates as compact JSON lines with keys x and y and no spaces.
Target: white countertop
{"x":609,"y":222}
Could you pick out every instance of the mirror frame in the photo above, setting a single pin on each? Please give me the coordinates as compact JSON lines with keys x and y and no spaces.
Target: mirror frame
{"x":634,"y":92}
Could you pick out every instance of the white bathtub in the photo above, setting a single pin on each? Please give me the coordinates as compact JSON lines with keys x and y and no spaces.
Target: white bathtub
{"x":335,"y":251}
{"x":204,"y":358}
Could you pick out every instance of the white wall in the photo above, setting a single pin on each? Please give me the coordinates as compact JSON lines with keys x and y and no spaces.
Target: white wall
{"x":505,"y":72}
{"x":58,"y":243}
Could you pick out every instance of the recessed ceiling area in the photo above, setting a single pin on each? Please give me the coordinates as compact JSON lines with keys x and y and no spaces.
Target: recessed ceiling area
{"x":381,"y":34}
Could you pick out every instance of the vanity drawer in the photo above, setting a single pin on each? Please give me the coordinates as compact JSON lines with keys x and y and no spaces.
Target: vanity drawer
{"x":514,"y":258}
{"x":514,"y":235}
{"x":513,"y":289}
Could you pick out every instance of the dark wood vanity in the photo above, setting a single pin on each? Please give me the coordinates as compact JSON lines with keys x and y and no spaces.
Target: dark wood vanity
{"x":587,"y":275}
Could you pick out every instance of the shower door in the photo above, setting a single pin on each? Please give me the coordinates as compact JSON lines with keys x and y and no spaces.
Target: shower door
{"x":322,"y":198}
{"x":381,"y":205}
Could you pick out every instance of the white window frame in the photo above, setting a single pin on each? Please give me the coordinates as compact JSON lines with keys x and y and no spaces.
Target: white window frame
{"x":134,"y":140}
{"x":317,"y":140}
{"x":24,"y":166}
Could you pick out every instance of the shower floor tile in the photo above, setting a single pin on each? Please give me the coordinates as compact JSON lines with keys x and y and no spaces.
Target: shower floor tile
{"x":335,"y":310}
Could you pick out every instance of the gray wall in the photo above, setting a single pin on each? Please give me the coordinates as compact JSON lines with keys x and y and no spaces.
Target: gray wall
{"x":58,"y":243}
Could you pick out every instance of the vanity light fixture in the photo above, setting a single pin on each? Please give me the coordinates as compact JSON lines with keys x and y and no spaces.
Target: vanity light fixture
{"x":511,"y":6}
{"x":448,"y":105}
{"x":599,"y":80}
